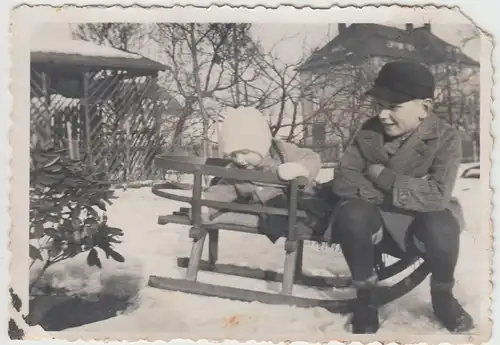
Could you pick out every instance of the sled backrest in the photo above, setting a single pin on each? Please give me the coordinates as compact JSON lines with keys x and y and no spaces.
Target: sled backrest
{"x":198,"y":168}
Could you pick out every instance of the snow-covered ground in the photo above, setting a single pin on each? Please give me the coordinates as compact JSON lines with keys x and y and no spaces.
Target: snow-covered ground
{"x":152,"y":249}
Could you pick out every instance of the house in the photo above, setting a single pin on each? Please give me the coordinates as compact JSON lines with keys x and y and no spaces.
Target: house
{"x":335,"y":78}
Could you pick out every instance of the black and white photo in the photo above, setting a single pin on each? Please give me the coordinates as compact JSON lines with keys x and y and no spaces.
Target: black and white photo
{"x":266,"y":174}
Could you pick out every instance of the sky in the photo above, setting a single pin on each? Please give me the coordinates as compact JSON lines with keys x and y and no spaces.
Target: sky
{"x":290,"y":42}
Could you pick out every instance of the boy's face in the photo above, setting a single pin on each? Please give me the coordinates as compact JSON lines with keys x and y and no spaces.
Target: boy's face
{"x":399,"y":119}
{"x":246,"y":159}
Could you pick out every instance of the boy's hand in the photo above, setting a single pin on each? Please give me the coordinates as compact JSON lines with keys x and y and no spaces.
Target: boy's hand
{"x":381,"y":176}
{"x":291,"y":170}
{"x":374,"y":171}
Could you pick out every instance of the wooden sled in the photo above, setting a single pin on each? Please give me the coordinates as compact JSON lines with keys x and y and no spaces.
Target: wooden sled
{"x":294,"y":244}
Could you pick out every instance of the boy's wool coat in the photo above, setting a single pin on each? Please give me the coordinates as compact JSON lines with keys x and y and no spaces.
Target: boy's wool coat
{"x":425,"y":168}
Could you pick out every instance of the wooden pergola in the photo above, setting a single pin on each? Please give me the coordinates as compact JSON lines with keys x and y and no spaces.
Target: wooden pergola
{"x":103,"y":102}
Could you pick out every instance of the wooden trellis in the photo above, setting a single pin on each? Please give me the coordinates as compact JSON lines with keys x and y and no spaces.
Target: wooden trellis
{"x":101,"y":102}
{"x":115,"y":121}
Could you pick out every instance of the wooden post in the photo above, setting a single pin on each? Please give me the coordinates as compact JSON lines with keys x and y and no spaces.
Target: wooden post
{"x":449,"y":95}
{"x":45,"y":129}
{"x":217,"y":134}
{"x":289,"y":269}
{"x":196,"y":197}
{"x":292,"y":210}
{"x":213,"y":248}
{"x":300,"y":259}
{"x":70,"y":139}
{"x":291,"y":244}
{"x":195,"y":258}
{"x":197,"y":233}
{"x":86,"y":111}
{"x":73,"y":144}
{"x":127,"y":151}
{"x":157,"y":126}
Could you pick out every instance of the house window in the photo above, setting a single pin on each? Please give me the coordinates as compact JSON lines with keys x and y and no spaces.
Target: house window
{"x":400,"y":45}
{"x":318,"y":133}
{"x":316,"y":103}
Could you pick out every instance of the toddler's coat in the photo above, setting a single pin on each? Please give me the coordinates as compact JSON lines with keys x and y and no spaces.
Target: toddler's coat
{"x":246,"y":129}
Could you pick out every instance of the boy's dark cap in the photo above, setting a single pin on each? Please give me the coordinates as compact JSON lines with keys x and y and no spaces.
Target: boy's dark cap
{"x":403,"y":81}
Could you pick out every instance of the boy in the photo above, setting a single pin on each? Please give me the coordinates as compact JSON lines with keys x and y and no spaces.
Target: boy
{"x":247,"y":141}
{"x":395,"y":181}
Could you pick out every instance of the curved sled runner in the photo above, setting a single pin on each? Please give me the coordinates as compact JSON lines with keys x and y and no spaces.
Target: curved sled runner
{"x":292,"y":273}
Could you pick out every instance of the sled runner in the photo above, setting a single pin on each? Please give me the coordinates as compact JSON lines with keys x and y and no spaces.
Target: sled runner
{"x":294,"y":244}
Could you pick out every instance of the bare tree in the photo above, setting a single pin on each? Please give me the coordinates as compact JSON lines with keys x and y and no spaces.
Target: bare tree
{"x":205,"y":60}
{"x":124,"y":36}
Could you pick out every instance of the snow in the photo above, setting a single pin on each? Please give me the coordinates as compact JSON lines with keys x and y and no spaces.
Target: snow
{"x":152,"y":249}
{"x":78,"y":47}
{"x":57,"y":39}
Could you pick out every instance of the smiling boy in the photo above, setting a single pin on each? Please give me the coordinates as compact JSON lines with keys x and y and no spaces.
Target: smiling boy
{"x":395,"y":181}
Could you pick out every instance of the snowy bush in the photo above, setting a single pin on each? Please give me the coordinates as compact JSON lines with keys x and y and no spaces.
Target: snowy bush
{"x":67,"y":212}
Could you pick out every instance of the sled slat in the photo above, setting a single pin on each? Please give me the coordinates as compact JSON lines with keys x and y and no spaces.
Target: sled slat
{"x":338,"y":282}
{"x":185,"y":220}
{"x":243,"y":295}
{"x":383,"y":295}
{"x":190,"y":165}
{"x":230,"y":206}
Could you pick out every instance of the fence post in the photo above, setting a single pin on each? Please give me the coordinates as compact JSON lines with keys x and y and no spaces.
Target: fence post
{"x":127,"y":150}
{"x":46,"y":132}
{"x":86,"y":105}
{"x":73,"y":144}
{"x":157,"y":129}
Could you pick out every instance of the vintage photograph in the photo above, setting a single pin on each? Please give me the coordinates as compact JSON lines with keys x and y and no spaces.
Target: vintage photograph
{"x":250,"y":179}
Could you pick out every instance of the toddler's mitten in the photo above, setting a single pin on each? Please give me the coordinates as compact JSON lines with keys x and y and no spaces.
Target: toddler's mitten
{"x":291,"y":170}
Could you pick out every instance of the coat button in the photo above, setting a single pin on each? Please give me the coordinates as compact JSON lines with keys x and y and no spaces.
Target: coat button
{"x":403,"y":196}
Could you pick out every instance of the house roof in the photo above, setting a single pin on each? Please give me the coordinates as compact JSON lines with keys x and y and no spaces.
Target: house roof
{"x":437,"y":50}
{"x":358,"y":42}
{"x":78,"y":56}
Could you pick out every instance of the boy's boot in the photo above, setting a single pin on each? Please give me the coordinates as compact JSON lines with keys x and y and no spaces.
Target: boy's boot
{"x":365,"y":314}
{"x":447,"y":309}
